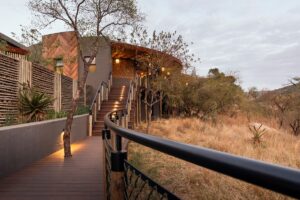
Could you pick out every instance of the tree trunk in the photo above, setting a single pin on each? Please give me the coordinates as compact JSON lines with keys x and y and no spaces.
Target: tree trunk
{"x":280,"y":123}
{"x":149,"y":120}
{"x":146,"y":97}
{"x":69,"y":121}
{"x":160,"y":106}
{"x":146,"y":107}
{"x":68,"y":126}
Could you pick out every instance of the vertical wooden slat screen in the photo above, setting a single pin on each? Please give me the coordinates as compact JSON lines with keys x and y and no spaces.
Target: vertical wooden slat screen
{"x":43,"y":79}
{"x":66,"y":92}
{"x":9,"y":72}
{"x":14,"y":71}
{"x":25,"y":72}
{"x":57,"y":92}
{"x":75,"y":83}
{"x":14,"y":55}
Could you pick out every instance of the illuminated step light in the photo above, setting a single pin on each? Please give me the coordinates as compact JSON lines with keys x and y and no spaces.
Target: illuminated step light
{"x":117,"y":61}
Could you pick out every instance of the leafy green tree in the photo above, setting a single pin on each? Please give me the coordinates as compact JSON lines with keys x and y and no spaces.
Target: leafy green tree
{"x":202,"y":97}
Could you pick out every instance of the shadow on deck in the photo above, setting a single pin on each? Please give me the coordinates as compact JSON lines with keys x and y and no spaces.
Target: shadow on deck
{"x":79,"y":177}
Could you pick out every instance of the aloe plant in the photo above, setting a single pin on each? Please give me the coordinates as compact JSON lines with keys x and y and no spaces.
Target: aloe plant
{"x":257,"y":133}
{"x":33,"y":104}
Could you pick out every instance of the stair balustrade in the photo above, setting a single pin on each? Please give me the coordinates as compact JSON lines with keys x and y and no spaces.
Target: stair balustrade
{"x":100,"y":96}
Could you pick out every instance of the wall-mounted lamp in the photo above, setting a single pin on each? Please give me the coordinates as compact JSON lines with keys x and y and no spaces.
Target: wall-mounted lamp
{"x":59,"y":65}
{"x":163,"y":69}
{"x":117,"y":61}
{"x":186,"y":84}
{"x":168,"y":73}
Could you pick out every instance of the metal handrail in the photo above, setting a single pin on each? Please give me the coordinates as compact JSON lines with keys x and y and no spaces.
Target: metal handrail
{"x":128,"y":96}
{"x":96,"y":104}
{"x":98,"y":91}
{"x":274,"y":177}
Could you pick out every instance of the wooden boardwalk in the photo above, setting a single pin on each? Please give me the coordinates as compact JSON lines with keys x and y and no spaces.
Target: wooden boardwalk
{"x":76,"y":178}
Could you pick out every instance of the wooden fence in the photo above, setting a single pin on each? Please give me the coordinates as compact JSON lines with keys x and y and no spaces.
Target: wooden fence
{"x":15,"y":70}
{"x":14,"y":55}
{"x":9,"y":76}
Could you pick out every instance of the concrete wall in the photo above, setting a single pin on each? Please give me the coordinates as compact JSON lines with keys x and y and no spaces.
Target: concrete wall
{"x":24,"y":144}
{"x":103,"y":64}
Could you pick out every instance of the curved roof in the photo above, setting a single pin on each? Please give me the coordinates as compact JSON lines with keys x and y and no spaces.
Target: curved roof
{"x":130,"y":51}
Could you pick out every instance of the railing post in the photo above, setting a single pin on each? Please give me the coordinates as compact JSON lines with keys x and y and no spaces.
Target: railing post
{"x":95,"y":111}
{"x":117,"y":171}
{"x":117,"y":119}
{"x":107,"y":91}
{"x":90,"y":123}
{"x":99,"y":101}
{"x":125,"y":120}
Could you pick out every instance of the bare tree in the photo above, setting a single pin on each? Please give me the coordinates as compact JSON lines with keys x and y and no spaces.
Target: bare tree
{"x":169,"y":53}
{"x":295,"y":126}
{"x":97,"y":18}
{"x":283,"y":104}
{"x":31,"y":37}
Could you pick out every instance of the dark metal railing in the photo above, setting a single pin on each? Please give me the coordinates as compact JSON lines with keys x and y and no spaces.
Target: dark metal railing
{"x":136,"y":185}
{"x":277,"y":178}
{"x":274,"y":177}
{"x":140,"y":186}
{"x":107,"y":160}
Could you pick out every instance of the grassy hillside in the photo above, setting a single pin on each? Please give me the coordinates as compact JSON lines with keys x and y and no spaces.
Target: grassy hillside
{"x":229,"y":135}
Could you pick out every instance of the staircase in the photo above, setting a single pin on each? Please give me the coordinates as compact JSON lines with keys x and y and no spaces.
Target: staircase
{"x":116,"y":101}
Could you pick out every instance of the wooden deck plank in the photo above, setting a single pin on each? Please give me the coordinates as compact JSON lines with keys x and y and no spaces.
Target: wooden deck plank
{"x":76,"y":178}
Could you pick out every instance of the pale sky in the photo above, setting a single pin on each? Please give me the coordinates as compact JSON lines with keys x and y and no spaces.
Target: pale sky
{"x":257,"y":39}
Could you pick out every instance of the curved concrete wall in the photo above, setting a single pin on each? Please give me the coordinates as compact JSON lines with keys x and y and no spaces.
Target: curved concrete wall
{"x":24,"y":144}
{"x":103,"y":65}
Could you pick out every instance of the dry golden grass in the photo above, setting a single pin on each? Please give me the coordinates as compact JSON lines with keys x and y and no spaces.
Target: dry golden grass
{"x":229,"y":135}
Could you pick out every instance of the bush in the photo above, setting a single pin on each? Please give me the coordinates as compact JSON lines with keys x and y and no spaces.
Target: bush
{"x":201,"y":97}
{"x":82,"y":110}
{"x":257,"y":133}
{"x":51,"y":114}
{"x":10,"y":120}
{"x":33,"y":104}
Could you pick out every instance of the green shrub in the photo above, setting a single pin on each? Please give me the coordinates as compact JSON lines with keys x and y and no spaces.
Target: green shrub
{"x":257,"y":133}
{"x":33,"y":104}
{"x":82,"y":110}
{"x":10,"y":120}
{"x":51,"y":114}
